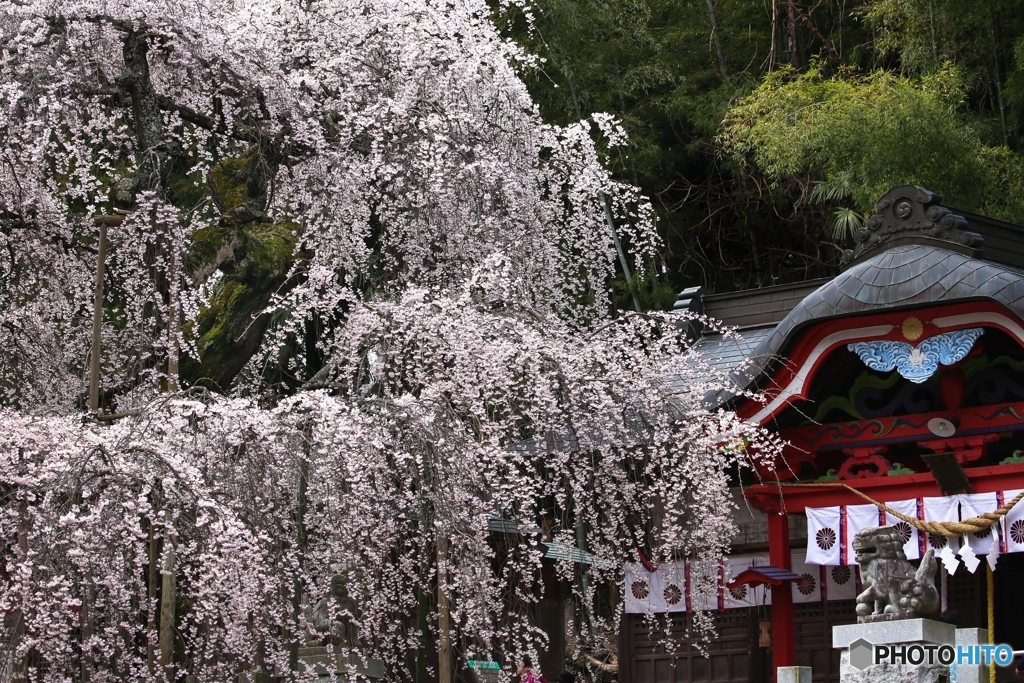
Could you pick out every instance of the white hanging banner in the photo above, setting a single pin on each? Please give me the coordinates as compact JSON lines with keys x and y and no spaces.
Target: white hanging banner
{"x":839,"y":582}
{"x":974,"y":505}
{"x":824,"y":542}
{"x":828,"y":567}
{"x":670,"y":588}
{"x":831,"y":530}
{"x":909,"y":533}
{"x":672,"y":583}
{"x":639,"y":590}
{"x":1012,"y":531}
{"x":808,"y":590}
{"x":858,"y":518}
{"x":663,"y":590}
{"x":942,"y":509}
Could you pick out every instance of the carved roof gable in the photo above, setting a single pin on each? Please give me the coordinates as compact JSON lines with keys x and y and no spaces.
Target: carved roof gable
{"x":912,"y":215}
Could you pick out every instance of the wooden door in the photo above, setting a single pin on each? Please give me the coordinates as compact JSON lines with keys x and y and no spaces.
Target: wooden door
{"x":813,"y":622}
{"x":653,"y":655}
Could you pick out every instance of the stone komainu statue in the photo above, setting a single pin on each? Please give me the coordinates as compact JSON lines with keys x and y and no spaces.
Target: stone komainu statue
{"x":331,"y":619}
{"x":892,"y":588}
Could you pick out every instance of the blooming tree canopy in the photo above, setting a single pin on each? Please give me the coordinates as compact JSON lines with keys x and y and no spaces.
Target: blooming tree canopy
{"x":355,"y":310}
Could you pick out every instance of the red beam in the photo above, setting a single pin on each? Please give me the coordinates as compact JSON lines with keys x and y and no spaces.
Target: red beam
{"x":1004,"y":417}
{"x":794,"y":500}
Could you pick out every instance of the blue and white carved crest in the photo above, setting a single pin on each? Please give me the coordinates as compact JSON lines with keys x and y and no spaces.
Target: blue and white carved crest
{"x":917,"y":363}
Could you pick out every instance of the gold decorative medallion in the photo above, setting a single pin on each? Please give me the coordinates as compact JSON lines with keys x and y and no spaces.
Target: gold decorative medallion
{"x":912,"y":328}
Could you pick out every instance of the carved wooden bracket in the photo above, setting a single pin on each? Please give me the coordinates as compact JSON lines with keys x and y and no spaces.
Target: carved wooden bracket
{"x":864,"y":462}
{"x":967,"y":448}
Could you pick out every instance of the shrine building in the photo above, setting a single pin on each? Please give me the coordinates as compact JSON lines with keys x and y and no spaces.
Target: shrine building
{"x":900,"y":381}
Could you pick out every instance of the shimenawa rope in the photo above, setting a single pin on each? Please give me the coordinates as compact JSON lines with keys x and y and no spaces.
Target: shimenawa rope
{"x":947,"y":529}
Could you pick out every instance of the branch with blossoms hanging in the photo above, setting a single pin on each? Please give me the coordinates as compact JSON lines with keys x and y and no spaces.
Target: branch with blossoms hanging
{"x":445,"y":414}
{"x":351,"y":221}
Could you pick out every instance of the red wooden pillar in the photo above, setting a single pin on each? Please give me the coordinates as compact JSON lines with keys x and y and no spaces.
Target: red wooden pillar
{"x":783,"y":632}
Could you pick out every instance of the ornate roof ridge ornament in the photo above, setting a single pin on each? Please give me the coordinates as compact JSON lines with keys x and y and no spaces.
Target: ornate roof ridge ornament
{"x":909,"y":214}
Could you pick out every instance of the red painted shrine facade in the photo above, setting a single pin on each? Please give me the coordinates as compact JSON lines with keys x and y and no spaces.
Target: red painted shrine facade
{"x":903,"y":378}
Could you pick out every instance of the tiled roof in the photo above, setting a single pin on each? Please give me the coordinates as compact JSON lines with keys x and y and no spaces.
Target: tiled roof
{"x":903,"y":276}
{"x":728,"y":352}
{"x":720,"y":357}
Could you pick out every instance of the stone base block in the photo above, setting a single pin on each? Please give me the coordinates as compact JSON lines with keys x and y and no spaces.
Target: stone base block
{"x":966,"y":673}
{"x":900,"y":631}
{"x":793,"y":674}
{"x":858,"y":641}
{"x":319,"y":660}
{"x":891,"y":673}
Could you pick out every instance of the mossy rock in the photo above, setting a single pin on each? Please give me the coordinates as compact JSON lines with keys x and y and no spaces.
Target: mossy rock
{"x":228,"y":181}
{"x":229,"y":330}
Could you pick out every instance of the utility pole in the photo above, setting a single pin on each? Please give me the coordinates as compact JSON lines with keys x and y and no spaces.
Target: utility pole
{"x":101,"y":222}
{"x":300,"y":539}
{"x":169,"y":571}
{"x":168,"y":598}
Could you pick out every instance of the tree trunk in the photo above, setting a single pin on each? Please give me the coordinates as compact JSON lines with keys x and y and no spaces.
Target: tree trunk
{"x":173,"y":324}
{"x":300,"y":539}
{"x":581,"y":543}
{"x":716,"y":38}
{"x":792,"y":44}
{"x":998,"y":76}
{"x":86,"y":616}
{"x":423,"y":604}
{"x":444,"y":628}
{"x":149,"y":122}
{"x":97,"y":319}
{"x":151,"y":631}
{"x":18,"y":672}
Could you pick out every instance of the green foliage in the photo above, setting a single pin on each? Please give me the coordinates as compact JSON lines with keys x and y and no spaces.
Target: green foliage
{"x":844,"y":222}
{"x":820,"y":111}
{"x":925,"y":34}
{"x":653,"y":65}
{"x":863,"y":134}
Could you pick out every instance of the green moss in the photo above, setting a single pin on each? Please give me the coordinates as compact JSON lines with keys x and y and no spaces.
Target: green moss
{"x":229,"y":328}
{"x":227,"y":181}
{"x":254,"y":254}
{"x":206,"y":243}
{"x":269,"y":249}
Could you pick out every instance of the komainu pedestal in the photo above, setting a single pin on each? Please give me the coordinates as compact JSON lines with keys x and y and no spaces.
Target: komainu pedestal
{"x":892,"y":612}
{"x":320,"y":661}
{"x":857,"y":642}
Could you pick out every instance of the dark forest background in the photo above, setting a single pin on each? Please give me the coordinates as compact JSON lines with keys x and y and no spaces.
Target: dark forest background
{"x":764,"y":130}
